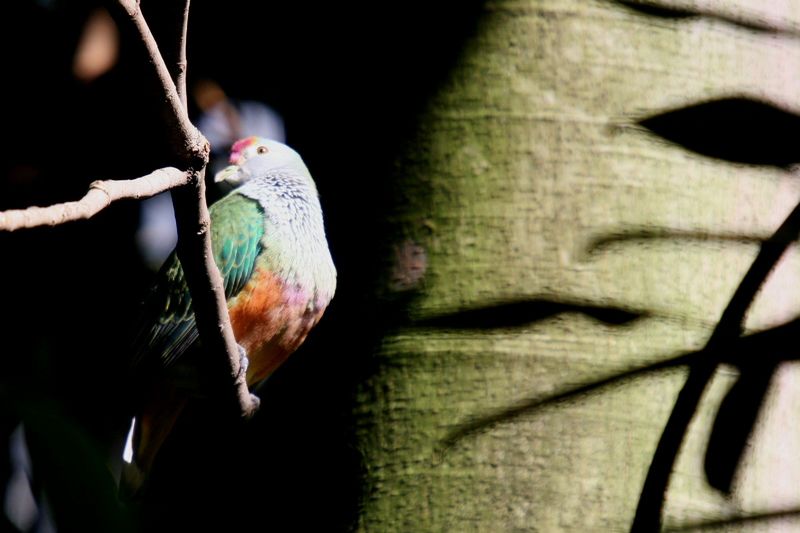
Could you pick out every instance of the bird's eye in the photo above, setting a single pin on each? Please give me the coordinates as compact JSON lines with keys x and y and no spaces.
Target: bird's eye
{"x":262,"y":150}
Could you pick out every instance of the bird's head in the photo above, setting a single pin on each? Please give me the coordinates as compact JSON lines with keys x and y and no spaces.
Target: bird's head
{"x":254,"y":156}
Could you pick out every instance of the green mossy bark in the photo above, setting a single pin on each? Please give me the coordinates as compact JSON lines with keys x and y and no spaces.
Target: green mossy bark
{"x":525,"y":157}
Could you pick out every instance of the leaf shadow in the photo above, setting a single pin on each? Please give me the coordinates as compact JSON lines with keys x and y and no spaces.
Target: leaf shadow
{"x":743,"y":520}
{"x":736,"y":353}
{"x":653,"y":9}
{"x":735,"y":129}
{"x":726,"y":334}
{"x":742,"y":130}
{"x":740,"y":407}
{"x":734,"y":423}
{"x":519,"y":313}
{"x":601,"y":243}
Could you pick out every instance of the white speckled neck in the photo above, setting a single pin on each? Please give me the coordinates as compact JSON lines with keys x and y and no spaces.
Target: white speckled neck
{"x":294,"y":238}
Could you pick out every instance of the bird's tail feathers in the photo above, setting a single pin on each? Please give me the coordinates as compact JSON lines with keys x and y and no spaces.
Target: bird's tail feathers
{"x":131,"y":482}
{"x":152,"y":427}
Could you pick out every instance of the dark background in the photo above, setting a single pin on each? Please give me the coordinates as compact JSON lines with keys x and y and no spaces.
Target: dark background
{"x":350,"y":80}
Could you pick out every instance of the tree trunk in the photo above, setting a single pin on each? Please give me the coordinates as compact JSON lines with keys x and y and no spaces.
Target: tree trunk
{"x":583,"y":246}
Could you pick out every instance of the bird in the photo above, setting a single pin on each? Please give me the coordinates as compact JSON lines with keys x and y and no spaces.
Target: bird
{"x":269,"y":243}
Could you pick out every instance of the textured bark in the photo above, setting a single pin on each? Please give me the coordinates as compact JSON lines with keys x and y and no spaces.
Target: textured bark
{"x":527,"y":157}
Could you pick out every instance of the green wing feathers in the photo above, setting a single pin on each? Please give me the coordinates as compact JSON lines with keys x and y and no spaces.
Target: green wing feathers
{"x":237,"y":227}
{"x":168,"y":327}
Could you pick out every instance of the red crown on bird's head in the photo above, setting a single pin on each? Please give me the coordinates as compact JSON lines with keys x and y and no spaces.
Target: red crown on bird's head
{"x":239,"y":147}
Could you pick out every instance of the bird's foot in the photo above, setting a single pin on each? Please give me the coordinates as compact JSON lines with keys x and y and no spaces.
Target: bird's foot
{"x":244,"y":362}
{"x":255,"y":402}
{"x":250,"y":406}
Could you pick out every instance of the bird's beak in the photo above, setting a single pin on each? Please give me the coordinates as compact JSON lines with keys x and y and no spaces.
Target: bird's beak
{"x":229,"y":174}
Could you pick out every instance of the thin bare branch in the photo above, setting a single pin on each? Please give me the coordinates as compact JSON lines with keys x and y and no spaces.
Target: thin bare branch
{"x":193,"y":140}
{"x":100,"y":195}
{"x":208,"y":296}
{"x":194,"y":238}
{"x":180,"y":78}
